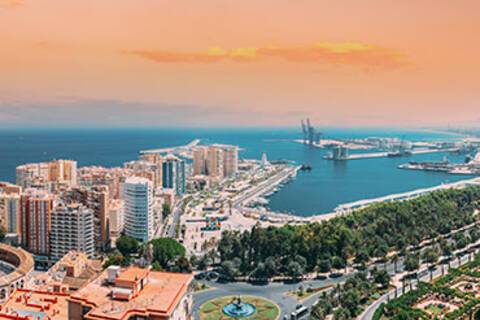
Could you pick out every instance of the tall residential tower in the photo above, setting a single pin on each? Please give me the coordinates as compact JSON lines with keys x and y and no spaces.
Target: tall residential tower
{"x":138,"y":211}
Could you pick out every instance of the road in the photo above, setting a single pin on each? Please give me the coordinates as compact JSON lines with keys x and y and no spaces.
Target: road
{"x":170,"y":230}
{"x":276,"y":292}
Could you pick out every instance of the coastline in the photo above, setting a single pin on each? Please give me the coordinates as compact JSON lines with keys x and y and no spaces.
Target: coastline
{"x":348,"y":208}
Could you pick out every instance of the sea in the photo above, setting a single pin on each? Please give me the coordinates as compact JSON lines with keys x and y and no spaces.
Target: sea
{"x":319,"y":191}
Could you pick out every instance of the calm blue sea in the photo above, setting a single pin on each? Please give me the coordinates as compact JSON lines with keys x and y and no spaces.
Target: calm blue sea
{"x":319,"y":191}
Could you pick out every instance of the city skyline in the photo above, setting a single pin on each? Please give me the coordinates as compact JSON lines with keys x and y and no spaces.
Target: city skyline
{"x":221,"y":64}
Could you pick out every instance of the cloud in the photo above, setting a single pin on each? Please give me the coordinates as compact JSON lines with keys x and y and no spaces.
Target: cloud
{"x":339,"y":53}
{"x":11,"y":4}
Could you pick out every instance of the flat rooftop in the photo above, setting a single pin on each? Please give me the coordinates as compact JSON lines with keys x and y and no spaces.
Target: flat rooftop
{"x":36,"y":305}
{"x":160,"y":296}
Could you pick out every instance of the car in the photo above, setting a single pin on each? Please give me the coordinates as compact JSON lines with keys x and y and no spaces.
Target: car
{"x":200,"y":276}
{"x":335,"y":275}
{"x":212,"y":275}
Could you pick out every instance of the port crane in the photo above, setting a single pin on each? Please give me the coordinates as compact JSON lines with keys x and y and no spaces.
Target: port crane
{"x":310,"y":134}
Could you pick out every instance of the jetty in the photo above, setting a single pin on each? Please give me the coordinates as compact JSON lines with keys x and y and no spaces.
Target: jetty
{"x":172,"y":149}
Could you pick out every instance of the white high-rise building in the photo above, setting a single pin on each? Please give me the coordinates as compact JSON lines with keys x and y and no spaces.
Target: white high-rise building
{"x":138,"y":209}
{"x":72,"y":229}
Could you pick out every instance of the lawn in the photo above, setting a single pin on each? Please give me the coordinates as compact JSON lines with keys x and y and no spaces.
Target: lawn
{"x":213,"y":309}
{"x":434,"y":310}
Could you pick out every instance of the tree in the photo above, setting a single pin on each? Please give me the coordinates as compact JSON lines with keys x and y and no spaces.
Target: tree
{"x":447,"y":249}
{"x":270,"y":267}
{"x":116,"y":259}
{"x":156,"y":266}
{"x":259,"y":272}
{"x":361,"y":257}
{"x":430,"y":255}
{"x":338,"y":263}
{"x":166,"y":210}
{"x":351,"y":301}
{"x":324,"y":266}
{"x":411,"y":262}
{"x":166,"y":251}
{"x":342,"y":314}
{"x":127,"y":245}
{"x":395,"y":259}
{"x":204,"y":262}
{"x":295,"y":270}
{"x":474,"y":234}
{"x":228,"y":269}
{"x":382,"y":278}
{"x":182,"y":264}
{"x":370,"y":232}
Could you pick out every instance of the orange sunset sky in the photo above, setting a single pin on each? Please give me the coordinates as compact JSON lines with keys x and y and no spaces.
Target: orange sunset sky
{"x":239,"y":63}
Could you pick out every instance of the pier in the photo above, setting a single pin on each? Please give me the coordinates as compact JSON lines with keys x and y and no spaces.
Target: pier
{"x":172,"y":149}
{"x":373,"y":155}
{"x":265,"y":186}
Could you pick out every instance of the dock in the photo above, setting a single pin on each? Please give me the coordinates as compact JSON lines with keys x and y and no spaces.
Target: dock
{"x":373,"y":155}
{"x":172,"y":149}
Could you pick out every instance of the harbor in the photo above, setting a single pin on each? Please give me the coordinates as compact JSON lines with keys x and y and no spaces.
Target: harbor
{"x":470,"y":167}
{"x":344,"y":155}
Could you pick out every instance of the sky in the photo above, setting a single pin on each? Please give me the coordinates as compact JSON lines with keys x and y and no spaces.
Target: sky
{"x":222,"y":63}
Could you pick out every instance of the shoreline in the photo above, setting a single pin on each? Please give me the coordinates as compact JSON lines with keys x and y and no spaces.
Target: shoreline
{"x":348,"y":208}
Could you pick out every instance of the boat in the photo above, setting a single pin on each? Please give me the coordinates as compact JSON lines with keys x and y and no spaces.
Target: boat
{"x":306,"y":167}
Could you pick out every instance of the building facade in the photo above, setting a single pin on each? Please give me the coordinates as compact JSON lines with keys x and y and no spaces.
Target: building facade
{"x":215,"y":162}
{"x":36,"y":221}
{"x":230,"y":161}
{"x":72,"y":229}
{"x":10,"y":212}
{"x":50,"y":174}
{"x":116,"y":217}
{"x":200,"y":160}
{"x":174,"y":174}
{"x":97,"y":199}
{"x":138,"y":209}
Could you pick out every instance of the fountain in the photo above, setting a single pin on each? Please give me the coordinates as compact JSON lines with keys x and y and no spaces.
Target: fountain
{"x":238,"y":309}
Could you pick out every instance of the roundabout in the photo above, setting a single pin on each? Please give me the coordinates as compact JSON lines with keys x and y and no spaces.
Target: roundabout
{"x":239,"y":307}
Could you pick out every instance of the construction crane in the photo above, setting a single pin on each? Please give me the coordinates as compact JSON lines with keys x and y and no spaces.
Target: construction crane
{"x":310,"y":134}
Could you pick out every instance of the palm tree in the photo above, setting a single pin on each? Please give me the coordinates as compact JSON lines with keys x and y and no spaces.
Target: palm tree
{"x":395,"y":259}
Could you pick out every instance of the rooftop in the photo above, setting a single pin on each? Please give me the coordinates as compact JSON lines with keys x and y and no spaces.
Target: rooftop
{"x":21,"y":259}
{"x":71,"y":272}
{"x":133,"y":274}
{"x":35,"y":305}
{"x":159,"y":296}
{"x":137,"y":180}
